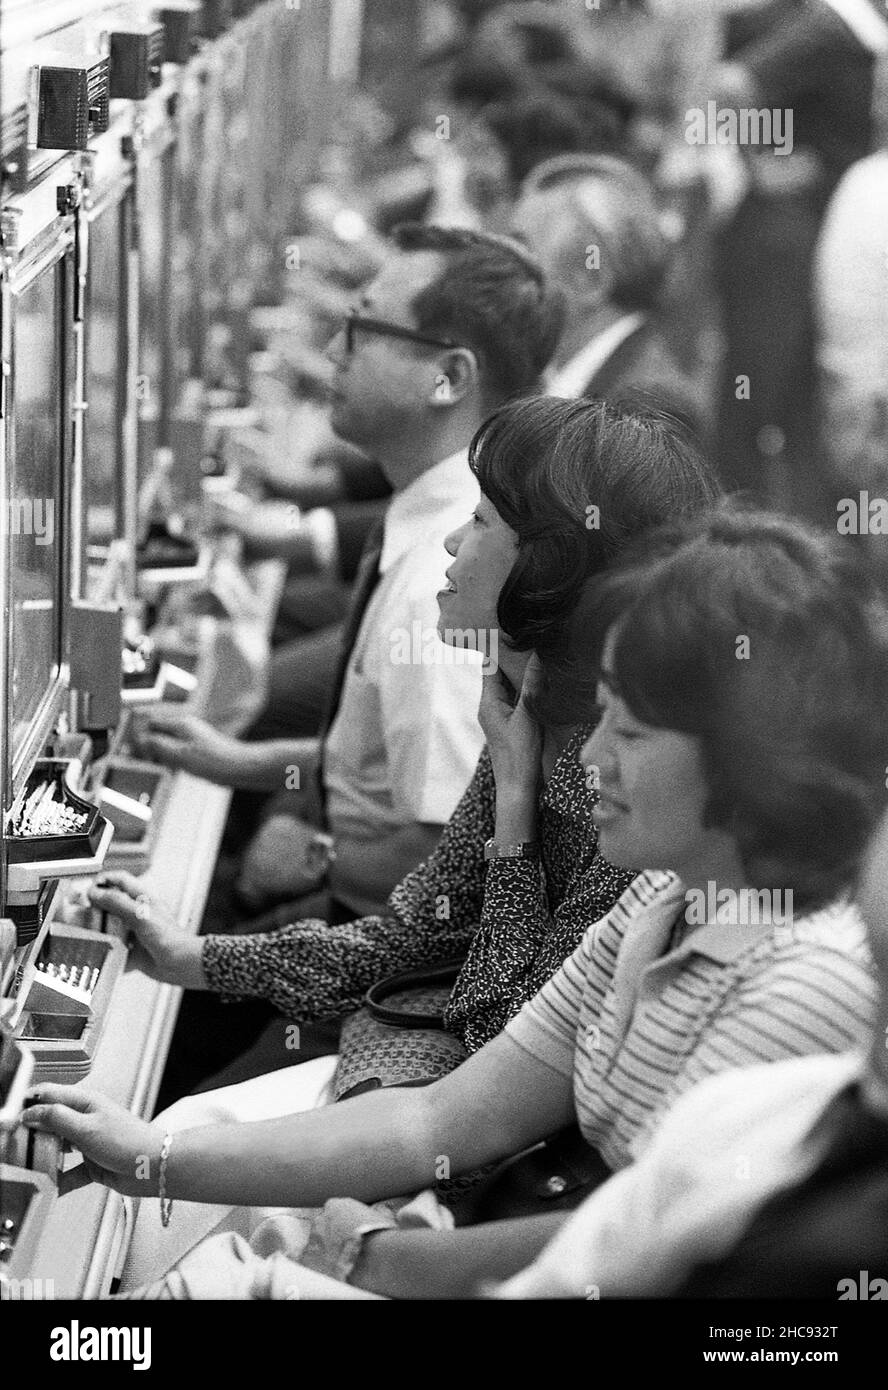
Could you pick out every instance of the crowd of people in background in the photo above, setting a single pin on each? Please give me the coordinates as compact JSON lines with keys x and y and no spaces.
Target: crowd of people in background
{"x":589,"y":425}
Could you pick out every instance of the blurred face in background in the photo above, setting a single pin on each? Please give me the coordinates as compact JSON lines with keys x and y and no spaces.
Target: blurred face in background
{"x":534,"y":222}
{"x":547,"y":220}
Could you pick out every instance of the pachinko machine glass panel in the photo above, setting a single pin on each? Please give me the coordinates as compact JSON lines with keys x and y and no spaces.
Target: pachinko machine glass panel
{"x":106,"y":368}
{"x":189,"y":233}
{"x":154,"y":378}
{"x":170,"y":435}
{"x":38,"y":319}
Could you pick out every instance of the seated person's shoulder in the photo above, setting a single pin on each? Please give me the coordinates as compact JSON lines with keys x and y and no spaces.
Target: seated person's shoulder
{"x":836,"y":929}
{"x":730,"y":1099}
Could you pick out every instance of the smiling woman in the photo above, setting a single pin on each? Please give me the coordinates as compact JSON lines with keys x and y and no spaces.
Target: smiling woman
{"x":644,"y":1008}
{"x":518,"y":570}
{"x":518,"y":567}
{"x":564,"y":486}
{"x":484,"y":551}
{"x":714,"y":656}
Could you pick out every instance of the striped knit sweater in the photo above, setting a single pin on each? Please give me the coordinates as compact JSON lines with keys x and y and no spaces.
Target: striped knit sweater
{"x":636,"y":1024}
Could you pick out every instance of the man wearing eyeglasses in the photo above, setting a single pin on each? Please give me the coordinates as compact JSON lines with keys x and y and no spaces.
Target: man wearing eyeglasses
{"x":454,"y":324}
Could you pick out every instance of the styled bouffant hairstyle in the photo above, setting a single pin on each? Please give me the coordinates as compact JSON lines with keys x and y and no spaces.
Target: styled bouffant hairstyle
{"x":493,"y":297}
{"x":576,"y":481}
{"x":768,"y":643}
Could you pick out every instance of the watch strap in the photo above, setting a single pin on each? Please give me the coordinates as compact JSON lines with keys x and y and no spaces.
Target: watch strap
{"x":521,"y":849}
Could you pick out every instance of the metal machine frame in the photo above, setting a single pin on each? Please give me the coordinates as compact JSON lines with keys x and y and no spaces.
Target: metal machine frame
{"x":270,"y":71}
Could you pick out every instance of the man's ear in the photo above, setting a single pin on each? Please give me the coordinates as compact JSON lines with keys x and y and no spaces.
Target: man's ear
{"x":456,"y":376}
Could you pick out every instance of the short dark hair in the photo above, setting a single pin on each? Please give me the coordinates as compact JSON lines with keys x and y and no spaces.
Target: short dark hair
{"x":546,"y":465}
{"x":535,"y":126}
{"x":492,"y":296}
{"x":791,"y":726}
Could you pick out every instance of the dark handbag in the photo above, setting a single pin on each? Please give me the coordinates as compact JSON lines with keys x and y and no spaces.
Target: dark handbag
{"x":399,"y":1038}
{"x":555,"y":1175}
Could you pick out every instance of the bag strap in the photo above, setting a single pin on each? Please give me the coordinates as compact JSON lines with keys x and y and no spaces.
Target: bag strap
{"x":397,"y":1017}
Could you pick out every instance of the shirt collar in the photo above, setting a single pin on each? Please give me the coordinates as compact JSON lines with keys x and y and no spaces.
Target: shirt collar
{"x":446,"y":487}
{"x":573,"y":378}
{"x":721,"y":942}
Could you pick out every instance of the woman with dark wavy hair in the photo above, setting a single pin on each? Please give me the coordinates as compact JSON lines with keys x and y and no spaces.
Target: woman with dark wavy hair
{"x":742,"y":678}
{"x":728,"y":641}
{"x":565,"y":485}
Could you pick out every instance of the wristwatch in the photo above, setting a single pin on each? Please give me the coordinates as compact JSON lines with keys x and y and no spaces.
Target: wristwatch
{"x":523,"y":849}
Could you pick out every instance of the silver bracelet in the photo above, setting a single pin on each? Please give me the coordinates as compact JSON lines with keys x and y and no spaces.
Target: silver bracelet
{"x":521,"y":849}
{"x":166,"y":1205}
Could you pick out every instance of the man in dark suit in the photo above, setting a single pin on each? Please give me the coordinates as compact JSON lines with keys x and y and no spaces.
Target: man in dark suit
{"x":593,"y":222}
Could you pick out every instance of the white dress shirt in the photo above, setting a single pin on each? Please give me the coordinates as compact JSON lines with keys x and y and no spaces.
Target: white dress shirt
{"x":406,"y":738}
{"x":850,"y":289}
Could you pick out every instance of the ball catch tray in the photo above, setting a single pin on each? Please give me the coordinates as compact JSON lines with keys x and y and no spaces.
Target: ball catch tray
{"x":51,"y":822}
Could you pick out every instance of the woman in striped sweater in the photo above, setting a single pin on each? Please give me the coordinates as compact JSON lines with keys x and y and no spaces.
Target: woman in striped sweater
{"x":743,"y":678}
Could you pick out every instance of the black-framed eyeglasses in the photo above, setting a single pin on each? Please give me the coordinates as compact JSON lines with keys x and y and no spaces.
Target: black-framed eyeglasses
{"x":384,"y":329}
